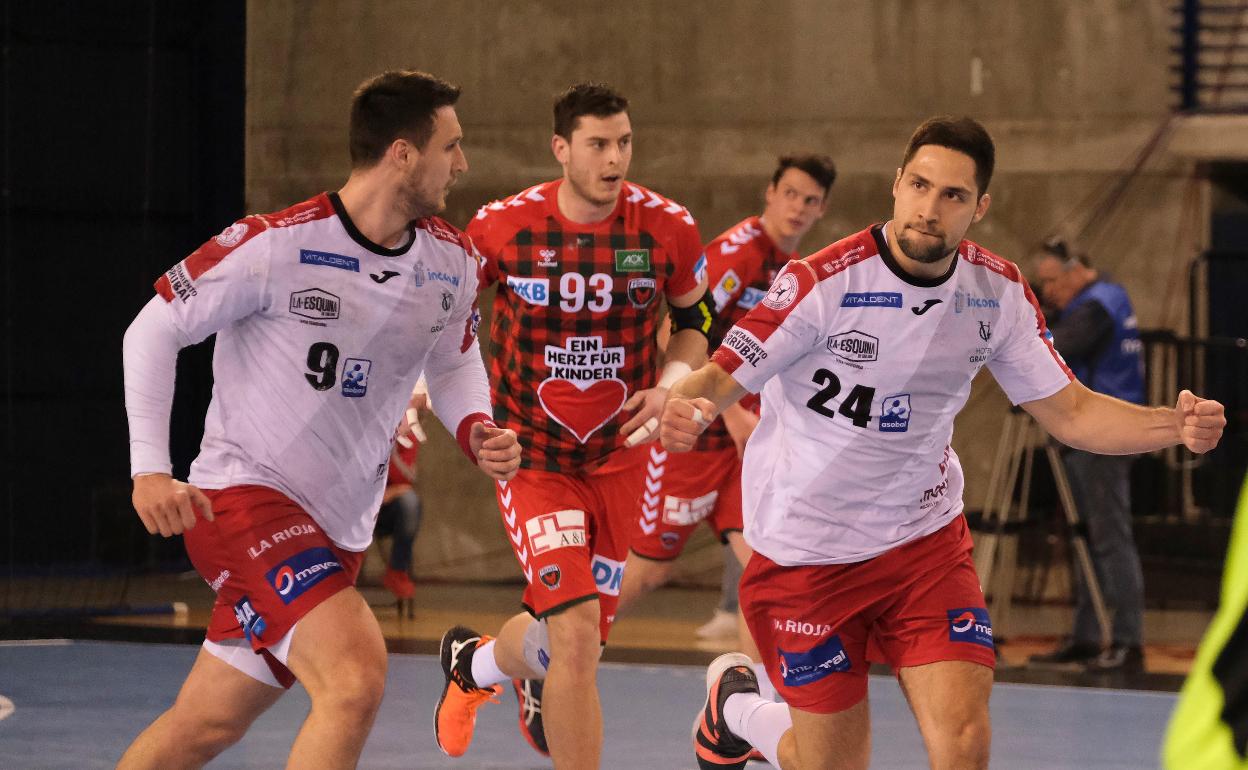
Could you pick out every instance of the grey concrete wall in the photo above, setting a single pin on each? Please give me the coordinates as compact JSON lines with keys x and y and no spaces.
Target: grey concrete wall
{"x":1071,"y":89}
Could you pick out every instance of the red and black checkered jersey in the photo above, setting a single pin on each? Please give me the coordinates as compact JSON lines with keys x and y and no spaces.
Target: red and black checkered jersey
{"x":575,"y":315}
{"x":741,"y":264}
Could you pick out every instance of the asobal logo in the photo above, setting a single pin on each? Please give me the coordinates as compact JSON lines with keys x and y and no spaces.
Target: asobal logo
{"x":295,"y":575}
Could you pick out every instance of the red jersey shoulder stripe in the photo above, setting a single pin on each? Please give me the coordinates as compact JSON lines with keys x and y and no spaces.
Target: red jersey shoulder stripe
{"x":444,"y":231}
{"x":842,"y":255}
{"x":229,"y":240}
{"x":974,"y":254}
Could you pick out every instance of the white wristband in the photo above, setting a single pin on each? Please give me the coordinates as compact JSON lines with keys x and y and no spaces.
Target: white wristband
{"x":674,"y":372}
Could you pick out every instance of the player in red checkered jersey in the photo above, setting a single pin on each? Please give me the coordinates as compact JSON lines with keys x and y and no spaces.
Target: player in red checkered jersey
{"x":580,"y":264}
{"x":685,"y":489}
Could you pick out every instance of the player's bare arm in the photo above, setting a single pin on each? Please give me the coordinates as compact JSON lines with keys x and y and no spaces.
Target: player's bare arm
{"x":693,"y":403}
{"x":166,"y":505}
{"x":686,"y":350}
{"x":1094,"y":422}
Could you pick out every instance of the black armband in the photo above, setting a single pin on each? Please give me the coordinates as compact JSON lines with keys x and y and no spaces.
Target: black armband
{"x":700,"y":315}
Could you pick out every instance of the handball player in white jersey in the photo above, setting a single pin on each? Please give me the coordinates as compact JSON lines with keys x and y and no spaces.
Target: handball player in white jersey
{"x":326,"y":314}
{"x":852,"y":494}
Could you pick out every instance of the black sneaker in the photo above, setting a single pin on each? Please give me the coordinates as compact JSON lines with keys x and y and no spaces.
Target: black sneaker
{"x":529,"y":698}
{"x":456,"y":714}
{"x":1119,"y":658}
{"x":1069,"y":651}
{"x":714,"y":745}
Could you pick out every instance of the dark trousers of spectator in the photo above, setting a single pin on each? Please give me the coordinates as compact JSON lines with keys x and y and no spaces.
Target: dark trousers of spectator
{"x":1102,"y":491}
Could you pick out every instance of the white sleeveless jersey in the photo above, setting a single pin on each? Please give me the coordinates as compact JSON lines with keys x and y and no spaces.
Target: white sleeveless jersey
{"x":862,"y":370}
{"x":321,"y":336}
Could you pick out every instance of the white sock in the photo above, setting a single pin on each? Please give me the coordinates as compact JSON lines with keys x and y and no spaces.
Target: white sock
{"x":765,"y":687}
{"x":760,"y":722}
{"x":485,"y":670}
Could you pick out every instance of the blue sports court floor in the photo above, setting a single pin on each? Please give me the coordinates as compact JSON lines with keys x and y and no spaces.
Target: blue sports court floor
{"x":78,"y":704}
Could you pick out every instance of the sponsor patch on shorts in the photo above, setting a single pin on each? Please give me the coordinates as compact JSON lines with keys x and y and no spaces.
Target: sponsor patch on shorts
{"x":970,"y":624}
{"x":300,"y":572}
{"x":799,"y":668}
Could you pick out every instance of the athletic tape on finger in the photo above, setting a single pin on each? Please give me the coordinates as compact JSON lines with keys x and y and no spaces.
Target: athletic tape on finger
{"x":639,"y":435}
{"x":699,"y":419}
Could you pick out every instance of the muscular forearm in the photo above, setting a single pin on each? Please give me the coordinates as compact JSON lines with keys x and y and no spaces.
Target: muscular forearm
{"x":713,"y":383}
{"x":687,"y":346}
{"x":1098,"y":423}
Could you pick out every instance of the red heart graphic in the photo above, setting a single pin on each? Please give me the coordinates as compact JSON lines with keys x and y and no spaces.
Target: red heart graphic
{"x":582,"y":411}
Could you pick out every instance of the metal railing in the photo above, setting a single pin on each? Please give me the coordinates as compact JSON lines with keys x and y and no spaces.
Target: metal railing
{"x":1211,"y":52}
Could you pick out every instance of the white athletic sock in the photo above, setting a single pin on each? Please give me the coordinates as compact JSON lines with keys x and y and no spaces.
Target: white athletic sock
{"x":759,"y":721}
{"x":485,"y":670}
{"x":765,"y":688}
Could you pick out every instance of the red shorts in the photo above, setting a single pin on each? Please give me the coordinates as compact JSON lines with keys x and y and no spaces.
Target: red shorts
{"x":818,"y":626}
{"x":269,"y":563}
{"x":682,"y":490}
{"x":570,"y":532}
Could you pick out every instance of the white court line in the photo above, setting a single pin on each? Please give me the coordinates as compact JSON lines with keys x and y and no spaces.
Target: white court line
{"x":36,"y":643}
{"x":6,"y":708}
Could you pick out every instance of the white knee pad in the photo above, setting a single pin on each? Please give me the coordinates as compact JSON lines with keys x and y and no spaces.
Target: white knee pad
{"x":537,"y":646}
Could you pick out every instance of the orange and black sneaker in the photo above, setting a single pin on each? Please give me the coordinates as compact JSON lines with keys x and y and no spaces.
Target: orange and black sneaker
{"x":456,"y":715}
{"x":529,"y":698}
{"x":715,"y":747}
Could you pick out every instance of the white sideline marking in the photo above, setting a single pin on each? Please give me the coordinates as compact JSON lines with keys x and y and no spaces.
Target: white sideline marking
{"x":36,"y":642}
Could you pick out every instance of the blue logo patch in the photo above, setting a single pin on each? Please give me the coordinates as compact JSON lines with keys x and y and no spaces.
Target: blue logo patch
{"x":543,"y":657}
{"x":355,"y":377}
{"x":872,"y":299}
{"x":327,"y":259}
{"x":750,"y":297}
{"x":302,"y":571}
{"x":699,"y":268}
{"x":895,"y":413}
{"x":252,"y":624}
{"x":799,"y":668}
{"x":608,"y":575}
{"x":970,"y":624}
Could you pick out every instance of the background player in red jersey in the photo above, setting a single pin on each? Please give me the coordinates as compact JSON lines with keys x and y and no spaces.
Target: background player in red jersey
{"x":292,"y":465}
{"x":580,"y":263}
{"x":683,"y":490}
{"x":854,"y":502}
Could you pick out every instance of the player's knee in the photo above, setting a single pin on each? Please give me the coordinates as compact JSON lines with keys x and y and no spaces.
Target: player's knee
{"x":575,"y":639}
{"x":357,"y":688}
{"x":970,"y":739}
{"x":201,"y":736}
{"x":646,"y":576}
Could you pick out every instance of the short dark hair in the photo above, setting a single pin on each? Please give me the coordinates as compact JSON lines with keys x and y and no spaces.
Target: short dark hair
{"x":820,"y":167}
{"x":597,"y":99}
{"x":395,"y":104}
{"x":964,"y":135}
{"x":1062,"y":249}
